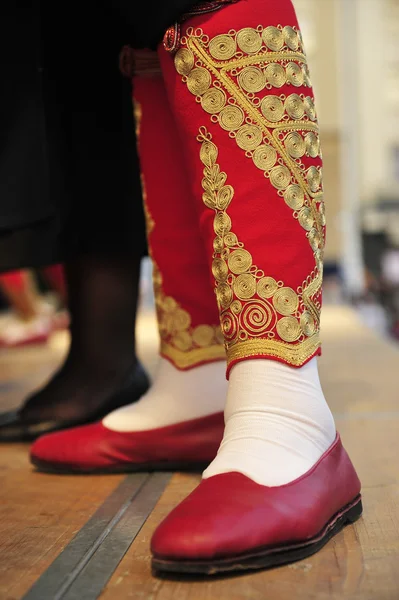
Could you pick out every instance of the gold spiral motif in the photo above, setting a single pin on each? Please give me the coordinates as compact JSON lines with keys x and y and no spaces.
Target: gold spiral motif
{"x":184,"y":61}
{"x":222,"y":47}
{"x":295,"y":74}
{"x":294,"y":107}
{"x":305,"y":218}
{"x":249,"y":40}
{"x":266,"y":287}
{"x":306,"y":75}
{"x":221,"y":223}
{"x":312,"y":144}
{"x":291,"y":38}
{"x":224,"y":295}
{"x":181,"y":320}
{"x":294,"y":196}
{"x":213,"y":100}
{"x":249,"y":137}
{"x":276,"y":75}
{"x":208,"y":154}
{"x":256,"y":317}
{"x":229,"y":324}
{"x":182,"y":341}
{"x":288,"y":329}
{"x":295,"y":144}
{"x":322,"y":213}
{"x":273,"y":38}
{"x":203,"y":335}
{"x":310,"y":108}
{"x":314,"y":239}
{"x":218,"y":244}
{"x":231,"y":118}
{"x":252,"y":79}
{"x":285,"y":301}
{"x":313,"y":177}
{"x":236,"y":307}
{"x":198,"y":81}
{"x":224,"y":197}
{"x":239,"y":261}
{"x":264,"y":157}
{"x":244,"y":286}
{"x":169,"y":304}
{"x":308,"y":323}
{"x":280,"y":177}
{"x":272,"y":108}
{"x":230,"y":239}
{"x":219,"y":269}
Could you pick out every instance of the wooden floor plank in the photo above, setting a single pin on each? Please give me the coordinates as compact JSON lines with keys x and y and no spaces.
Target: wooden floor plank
{"x":359,"y":374}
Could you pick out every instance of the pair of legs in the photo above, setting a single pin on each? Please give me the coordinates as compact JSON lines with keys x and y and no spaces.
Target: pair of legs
{"x":231,"y":166}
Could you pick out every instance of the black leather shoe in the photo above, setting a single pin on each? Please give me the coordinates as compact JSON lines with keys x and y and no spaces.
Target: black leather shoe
{"x":15,"y":428}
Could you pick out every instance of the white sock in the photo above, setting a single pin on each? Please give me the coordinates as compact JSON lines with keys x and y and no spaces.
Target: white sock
{"x":278,"y":423}
{"x":174,"y":396}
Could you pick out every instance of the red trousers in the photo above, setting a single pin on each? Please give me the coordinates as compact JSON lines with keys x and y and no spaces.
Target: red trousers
{"x":231,"y":164}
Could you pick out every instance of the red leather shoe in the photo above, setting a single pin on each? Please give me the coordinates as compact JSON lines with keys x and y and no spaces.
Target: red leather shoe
{"x":93,"y":448}
{"x":231,"y":523}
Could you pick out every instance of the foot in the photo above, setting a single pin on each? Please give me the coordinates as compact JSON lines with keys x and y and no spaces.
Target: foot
{"x":73,"y":397}
{"x":231,"y":523}
{"x":178,"y":424}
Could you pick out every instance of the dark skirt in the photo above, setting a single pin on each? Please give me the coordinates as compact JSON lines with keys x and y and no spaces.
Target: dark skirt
{"x":69,"y":170}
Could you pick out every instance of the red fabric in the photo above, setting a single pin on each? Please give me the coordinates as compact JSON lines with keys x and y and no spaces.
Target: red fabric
{"x":229,"y":514}
{"x":184,"y":294}
{"x":15,"y":280}
{"x":56,"y":278}
{"x":264,"y":224}
{"x":93,"y":446}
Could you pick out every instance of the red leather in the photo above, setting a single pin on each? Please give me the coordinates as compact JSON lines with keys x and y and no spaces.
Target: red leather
{"x":96,"y":447}
{"x":229,"y":514}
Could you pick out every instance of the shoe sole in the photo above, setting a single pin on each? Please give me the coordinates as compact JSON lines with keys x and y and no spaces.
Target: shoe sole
{"x":117,"y":470}
{"x":266,"y":557}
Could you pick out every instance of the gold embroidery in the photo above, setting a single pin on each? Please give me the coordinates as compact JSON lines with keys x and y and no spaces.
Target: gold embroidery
{"x":250,"y":303}
{"x":184,"y":345}
{"x":277,"y":132}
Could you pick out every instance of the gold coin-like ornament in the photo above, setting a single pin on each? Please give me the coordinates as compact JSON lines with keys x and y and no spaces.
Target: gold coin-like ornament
{"x":264,"y":157}
{"x":219,"y":269}
{"x":285,"y":301}
{"x":295,"y":74}
{"x":249,"y":40}
{"x":203,"y":335}
{"x":308,"y":323}
{"x":213,"y":100}
{"x":305,"y":218}
{"x":252,"y":79}
{"x":222,"y":47}
{"x":276,"y":75}
{"x":184,"y":61}
{"x":291,"y":38}
{"x":272,"y":108}
{"x":294,"y":196}
{"x":273,"y":38}
{"x":198,"y":81}
{"x":239,"y":261}
{"x":249,"y":137}
{"x":231,"y":117}
{"x":244,"y":286}
{"x":266,"y":287}
{"x":294,"y":107}
{"x":280,"y":177}
{"x":295,"y":144}
{"x":288,"y":329}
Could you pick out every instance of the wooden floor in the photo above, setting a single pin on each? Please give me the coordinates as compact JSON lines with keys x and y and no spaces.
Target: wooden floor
{"x":40,"y":514}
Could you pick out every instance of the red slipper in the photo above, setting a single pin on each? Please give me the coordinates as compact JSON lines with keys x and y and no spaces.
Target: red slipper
{"x":231,"y":523}
{"x":93,"y":448}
